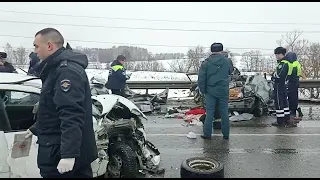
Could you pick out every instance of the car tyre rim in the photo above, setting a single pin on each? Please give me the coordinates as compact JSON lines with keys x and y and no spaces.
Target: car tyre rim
{"x":201,"y":165}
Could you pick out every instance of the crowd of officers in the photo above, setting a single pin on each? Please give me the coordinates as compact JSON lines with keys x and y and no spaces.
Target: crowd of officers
{"x":213,"y":83}
{"x":286,"y":83}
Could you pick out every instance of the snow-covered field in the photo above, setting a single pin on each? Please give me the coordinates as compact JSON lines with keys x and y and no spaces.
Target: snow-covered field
{"x":159,"y":76}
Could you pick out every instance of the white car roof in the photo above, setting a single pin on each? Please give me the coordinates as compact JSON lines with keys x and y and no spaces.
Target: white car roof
{"x":15,"y":78}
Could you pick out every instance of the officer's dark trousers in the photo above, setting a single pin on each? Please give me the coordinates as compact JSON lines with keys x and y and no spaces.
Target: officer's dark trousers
{"x":119,"y":92}
{"x":293,"y":97}
{"x":281,"y":103}
{"x":48,"y":159}
{"x":211,"y":102}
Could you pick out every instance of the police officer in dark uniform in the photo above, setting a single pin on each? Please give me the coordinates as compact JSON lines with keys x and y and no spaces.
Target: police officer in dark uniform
{"x":64,"y":127}
{"x":293,"y":83}
{"x":34,"y":63}
{"x":279,"y":79}
{"x":5,"y":66}
{"x":117,"y":76}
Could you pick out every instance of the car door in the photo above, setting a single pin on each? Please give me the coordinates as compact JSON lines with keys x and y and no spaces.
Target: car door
{"x":18,"y":105}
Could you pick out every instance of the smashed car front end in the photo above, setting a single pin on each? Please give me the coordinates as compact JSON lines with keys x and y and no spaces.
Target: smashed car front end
{"x":245,"y":95}
{"x":118,"y":119}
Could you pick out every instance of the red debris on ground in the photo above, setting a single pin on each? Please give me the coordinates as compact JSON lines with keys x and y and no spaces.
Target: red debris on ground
{"x":196,"y":111}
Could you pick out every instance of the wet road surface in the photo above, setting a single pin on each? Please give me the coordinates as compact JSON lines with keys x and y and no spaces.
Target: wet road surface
{"x":255,"y":148}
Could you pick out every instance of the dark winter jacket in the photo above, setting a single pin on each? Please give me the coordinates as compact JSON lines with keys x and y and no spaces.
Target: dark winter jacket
{"x":117,"y":76}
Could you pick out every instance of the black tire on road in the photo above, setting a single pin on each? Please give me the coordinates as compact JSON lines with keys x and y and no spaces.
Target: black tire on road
{"x":129,"y":164}
{"x":201,"y":167}
{"x":258,"y":110}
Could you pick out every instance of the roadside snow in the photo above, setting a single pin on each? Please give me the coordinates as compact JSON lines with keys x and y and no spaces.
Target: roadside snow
{"x":158,"y":76}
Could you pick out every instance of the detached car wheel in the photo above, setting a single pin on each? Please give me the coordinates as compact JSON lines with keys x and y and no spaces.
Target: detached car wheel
{"x":201,"y":167}
{"x":122,"y":162}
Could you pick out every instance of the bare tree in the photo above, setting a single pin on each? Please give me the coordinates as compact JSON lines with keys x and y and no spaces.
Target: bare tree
{"x":155,"y":66}
{"x":17,"y":56}
{"x":194,"y":56}
{"x":9,"y":50}
{"x":294,"y":42}
{"x":91,"y":54}
{"x":253,"y":61}
{"x":180,"y":65}
{"x":313,"y":57}
{"x":20,"y":55}
{"x":308,"y":55}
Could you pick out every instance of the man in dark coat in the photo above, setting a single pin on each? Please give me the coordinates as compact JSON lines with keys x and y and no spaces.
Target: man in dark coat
{"x":5,"y":66}
{"x":34,"y":63}
{"x":213,"y":82}
{"x":117,"y":76}
{"x":64,"y":126}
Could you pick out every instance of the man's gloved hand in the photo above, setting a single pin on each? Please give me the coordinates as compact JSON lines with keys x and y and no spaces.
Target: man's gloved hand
{"x":66,"y":165}
{"x":29,"y":134}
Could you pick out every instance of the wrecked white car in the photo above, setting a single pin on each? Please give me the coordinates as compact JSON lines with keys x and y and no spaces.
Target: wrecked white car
{"x":123,"y":150}
{"x":147,"y":103}
{"x":247,"y":94}
{"x":250,"y":94}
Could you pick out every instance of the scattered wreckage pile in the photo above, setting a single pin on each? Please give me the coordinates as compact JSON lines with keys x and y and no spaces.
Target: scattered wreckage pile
{"x":147,"y":103}
{"x":197,"y":115}
{"x":249,"y":96}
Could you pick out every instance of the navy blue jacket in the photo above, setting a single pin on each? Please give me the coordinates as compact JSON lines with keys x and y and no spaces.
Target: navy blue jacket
{"x":293,"y":78}
{"x":117,"y":76}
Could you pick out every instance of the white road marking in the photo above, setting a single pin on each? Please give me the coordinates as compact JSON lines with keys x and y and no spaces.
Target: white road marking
{"x":238,"y":134}
{"x":239,"y":151}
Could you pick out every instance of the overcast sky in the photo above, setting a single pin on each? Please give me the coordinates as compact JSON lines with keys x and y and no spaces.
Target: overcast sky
{"x":12,"y":23}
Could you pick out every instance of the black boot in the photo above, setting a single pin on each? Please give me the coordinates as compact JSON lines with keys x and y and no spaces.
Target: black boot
{"x":277,"y":124}
{"x":300,"y":114}
{"x":205,"y":137}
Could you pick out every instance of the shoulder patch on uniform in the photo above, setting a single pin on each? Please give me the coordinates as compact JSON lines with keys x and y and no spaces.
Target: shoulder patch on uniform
{"x":279,"y":66}
{"x":64,"y":63}
{"x":65,"y":85}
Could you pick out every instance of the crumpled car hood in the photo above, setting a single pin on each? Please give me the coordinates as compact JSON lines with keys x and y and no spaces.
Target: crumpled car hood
{"x":260,"y":86}
{"x":108,"y":101}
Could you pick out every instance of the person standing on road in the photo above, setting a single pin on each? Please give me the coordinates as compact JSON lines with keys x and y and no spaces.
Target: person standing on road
{"x":279,"y":79}
{"x":64,"y":126}
{"x":213,"y":82}
{"x":293,"y":84}
{"x":33,"y":64}
{"x":117,"y":76}
{"x":5,"y":66}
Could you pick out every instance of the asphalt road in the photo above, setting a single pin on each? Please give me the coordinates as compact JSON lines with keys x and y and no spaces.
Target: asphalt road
{"x":255,"y":148}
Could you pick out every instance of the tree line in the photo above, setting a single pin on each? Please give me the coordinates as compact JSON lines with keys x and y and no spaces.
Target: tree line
{"x":140,"y":59}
